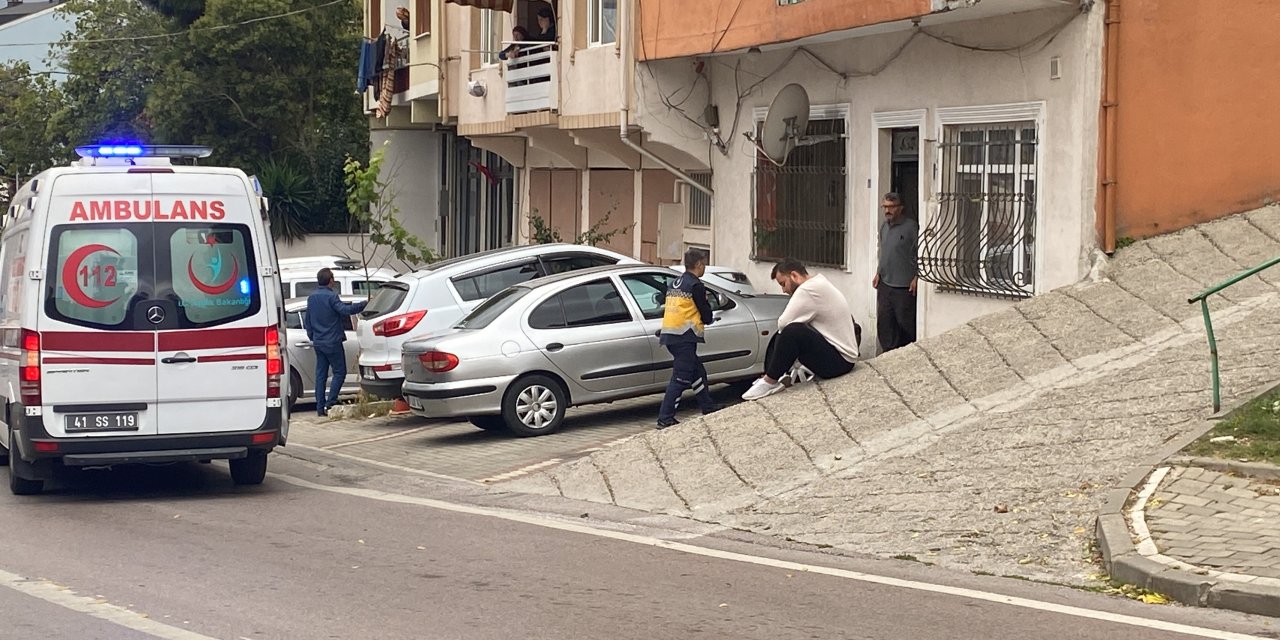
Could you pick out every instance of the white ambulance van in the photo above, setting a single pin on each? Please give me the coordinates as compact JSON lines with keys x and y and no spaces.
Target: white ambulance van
{"x":142,"y":317}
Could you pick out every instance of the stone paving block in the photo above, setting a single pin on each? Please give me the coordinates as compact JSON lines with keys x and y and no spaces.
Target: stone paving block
{"x":750,"y":441}
{"x":1129,"y":313}
{"x":1018,"y":342}
{"x":698,"y":471}
{"x":1072,"y":327}
{"x":808,"y":415}
{"x":1140,"y":271}
{"x":923,"y":388}
{"x":1244,"y":242}
{"x":965,"y":358}
{"x":1267,"y":219}
{"x":1189,"y":252}
{"x":582,"y":481}
{"x":637,"y":479}
{"x":1189,"y":500}
{"x":866,"y":403}
{"x":1182,"y":586}
{"x":1251,"y":598}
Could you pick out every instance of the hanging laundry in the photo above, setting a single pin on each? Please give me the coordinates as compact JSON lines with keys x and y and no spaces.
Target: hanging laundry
{"x":375,"y":63}
{"x":363,"y":75}
{"x":388,"y":79}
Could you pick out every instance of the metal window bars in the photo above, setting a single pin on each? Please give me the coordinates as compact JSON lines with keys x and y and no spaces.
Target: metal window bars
{"x":800,"y":207}
{"x":982,"y":240}
{"x":699,"y":202}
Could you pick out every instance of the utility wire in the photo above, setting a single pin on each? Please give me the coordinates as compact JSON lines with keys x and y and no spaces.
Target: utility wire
{"x":157,"y":36}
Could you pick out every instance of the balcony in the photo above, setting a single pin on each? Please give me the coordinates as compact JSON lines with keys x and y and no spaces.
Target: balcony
{"x":532,"y":78}
{"x":400,"y":83}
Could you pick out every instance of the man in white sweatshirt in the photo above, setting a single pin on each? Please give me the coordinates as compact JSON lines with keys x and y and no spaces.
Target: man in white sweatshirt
{"x":816,"y":329}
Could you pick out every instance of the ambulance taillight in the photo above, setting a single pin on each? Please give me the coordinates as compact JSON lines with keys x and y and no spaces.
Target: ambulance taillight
{"x":29,"y":382}
{"x":275,"y":364}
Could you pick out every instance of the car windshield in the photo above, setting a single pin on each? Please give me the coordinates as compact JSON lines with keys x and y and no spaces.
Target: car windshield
{"x":492,"y":308}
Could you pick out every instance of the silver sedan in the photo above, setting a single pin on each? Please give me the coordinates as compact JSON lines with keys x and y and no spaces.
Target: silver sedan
{"x":302,"y":358}
{"x":521,"y":359}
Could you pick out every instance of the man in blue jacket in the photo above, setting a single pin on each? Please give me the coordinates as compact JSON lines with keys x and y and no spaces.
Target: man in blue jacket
{"x":328,"y":318}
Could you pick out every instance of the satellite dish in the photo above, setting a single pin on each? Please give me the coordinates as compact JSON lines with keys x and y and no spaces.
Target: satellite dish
{"x":785,"y":124}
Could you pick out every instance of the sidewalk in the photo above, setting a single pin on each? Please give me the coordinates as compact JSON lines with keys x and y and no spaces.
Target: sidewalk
{"x":990,"y":448}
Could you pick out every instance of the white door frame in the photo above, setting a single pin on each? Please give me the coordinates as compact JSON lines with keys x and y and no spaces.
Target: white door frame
{"x":896,"y":120}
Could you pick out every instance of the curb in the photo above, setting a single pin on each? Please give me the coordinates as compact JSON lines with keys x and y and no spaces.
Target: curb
{"x":1131,"y":557}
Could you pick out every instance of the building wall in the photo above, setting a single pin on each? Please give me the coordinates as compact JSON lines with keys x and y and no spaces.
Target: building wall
{"x":1196,"y":131}
{"x":611,"y":193}
{"x":43,"y":27}
{"x":926,"y":76}
{"x":411,"y":168}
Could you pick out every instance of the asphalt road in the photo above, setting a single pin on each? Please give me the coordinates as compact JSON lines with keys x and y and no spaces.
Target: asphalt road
{"x":194,"y":555}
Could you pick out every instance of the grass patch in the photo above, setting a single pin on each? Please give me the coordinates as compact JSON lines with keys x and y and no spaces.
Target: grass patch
{"x":1254,"y":432}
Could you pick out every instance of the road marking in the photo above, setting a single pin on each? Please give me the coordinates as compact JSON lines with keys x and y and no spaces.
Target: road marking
{"x":386,"y":436}
{"x":96,"y":607}
{"x":386,"y":465}
{"x":962,"y":592}
{"x":523,"y":470}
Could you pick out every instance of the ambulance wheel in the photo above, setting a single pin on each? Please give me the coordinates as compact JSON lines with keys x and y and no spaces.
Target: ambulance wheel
{"x":18,"y":469}
{"x":251,"y":469}
{"x":295,"y":387}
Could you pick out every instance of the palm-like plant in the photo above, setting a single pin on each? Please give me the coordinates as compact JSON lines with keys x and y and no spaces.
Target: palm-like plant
{"x":289,"y":190}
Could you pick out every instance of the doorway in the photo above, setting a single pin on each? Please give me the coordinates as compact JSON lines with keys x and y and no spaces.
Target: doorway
{"x":904,"y":173}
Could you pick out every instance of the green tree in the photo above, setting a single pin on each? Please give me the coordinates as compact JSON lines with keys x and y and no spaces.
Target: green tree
{"x":373,"y":209}
{"x":31,"y":144}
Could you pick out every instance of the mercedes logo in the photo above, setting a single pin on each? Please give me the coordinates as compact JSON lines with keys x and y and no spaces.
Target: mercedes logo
{"x":155,"y":315}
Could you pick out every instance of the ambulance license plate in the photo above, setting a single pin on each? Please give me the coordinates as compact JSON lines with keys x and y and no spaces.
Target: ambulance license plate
{"x":102,"y":422}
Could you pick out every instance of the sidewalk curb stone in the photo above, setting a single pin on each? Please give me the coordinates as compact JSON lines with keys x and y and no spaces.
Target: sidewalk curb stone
{"x":1122,"y":559}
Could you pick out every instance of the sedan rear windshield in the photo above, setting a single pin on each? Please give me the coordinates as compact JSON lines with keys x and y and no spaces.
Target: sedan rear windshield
{"x":386,"y":299}
{"x":489,"y":311}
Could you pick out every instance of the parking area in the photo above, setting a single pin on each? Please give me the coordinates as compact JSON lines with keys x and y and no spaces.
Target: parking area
{"x":460,"y":450}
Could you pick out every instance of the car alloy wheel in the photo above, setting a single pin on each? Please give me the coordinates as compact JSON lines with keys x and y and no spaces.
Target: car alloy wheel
{"x":534,"y":406}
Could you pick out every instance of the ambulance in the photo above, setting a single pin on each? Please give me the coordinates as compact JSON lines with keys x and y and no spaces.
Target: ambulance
{"x":142,"y":317}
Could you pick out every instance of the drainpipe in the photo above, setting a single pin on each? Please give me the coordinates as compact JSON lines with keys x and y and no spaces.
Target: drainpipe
{"x":624,"y":100}
{"x":1110,"y":99}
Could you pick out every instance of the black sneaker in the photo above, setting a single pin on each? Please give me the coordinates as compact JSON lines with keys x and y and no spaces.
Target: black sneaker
{"x":663,"y":424}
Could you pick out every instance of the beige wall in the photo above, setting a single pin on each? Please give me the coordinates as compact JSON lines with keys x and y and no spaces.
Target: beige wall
{"x":611,"y":192}
{"x":658,"y":187}
{"x":556,"y":196}
{"x":927,"y":76}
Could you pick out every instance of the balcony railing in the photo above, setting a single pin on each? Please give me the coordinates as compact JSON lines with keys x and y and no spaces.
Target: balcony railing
{"x":532,"y":78}
{"x":401,"y":66}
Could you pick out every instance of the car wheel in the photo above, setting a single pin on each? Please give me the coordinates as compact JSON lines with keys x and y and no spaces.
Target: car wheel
{"x":251,"y":469}
{"x":20,"y":482}
{"x":489,"y":423}
{"x":295,"y":387}
{"x":534,"y":406}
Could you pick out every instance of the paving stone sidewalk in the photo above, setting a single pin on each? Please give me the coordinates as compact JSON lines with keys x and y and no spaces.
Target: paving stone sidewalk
{"x":1226,"y":523}
{"x":989,"y":448}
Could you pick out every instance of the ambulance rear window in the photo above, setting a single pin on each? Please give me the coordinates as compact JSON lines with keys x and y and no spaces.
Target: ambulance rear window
{"x":95,"y":275}
{"x":213,"y":272}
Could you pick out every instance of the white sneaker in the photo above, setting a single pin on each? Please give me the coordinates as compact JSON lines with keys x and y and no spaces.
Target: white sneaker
{"x":760,"y":389}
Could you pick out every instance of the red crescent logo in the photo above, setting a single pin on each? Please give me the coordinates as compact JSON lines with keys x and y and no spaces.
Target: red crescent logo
{"x":69,"y":282}
{"x":214,"y":289}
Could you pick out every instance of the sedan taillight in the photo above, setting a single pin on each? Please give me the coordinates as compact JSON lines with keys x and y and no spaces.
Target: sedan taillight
{"x":438,"y":361}
{"x":398,"y":325}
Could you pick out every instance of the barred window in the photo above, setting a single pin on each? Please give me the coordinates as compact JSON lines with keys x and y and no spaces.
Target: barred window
{"x":699,"y":202}
{"x":800,"y":206}
{"x":983,"y":239}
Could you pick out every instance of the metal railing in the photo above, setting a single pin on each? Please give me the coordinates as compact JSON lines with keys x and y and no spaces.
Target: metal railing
{"x":1203,"y":299}
{"x":800,"y":207}
{"x":532,"y":77}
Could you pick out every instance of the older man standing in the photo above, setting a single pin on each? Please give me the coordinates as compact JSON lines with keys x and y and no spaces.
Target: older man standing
{"x":896,"y":278}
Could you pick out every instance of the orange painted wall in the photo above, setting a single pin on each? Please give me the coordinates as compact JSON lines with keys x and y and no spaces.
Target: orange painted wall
{"x":675,"y":28}
{"x":1197,"y":131}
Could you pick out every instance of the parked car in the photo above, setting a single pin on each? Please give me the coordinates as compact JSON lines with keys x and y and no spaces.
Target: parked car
{"x":434,"y":298}
{"x":726,"y":278}
{"x":302,"y":358}
{"x":527,"y":354}
{"x":298,"y":276}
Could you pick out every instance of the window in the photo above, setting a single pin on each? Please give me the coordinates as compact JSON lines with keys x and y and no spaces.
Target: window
{"x":95,"y":275}
{"x":490,"y":309}
{"x":584,"y":305}
{"x":561,"y":264}
{"x":602,"y":21}
{"x":490,"y":36}
{"x":293,"y":320}
{"x":482,"y":285}
{"x":800,"y":207}
{"x":304,"y":289}
{"x":364,"y":287}
{"x":699,"y":202}
{"x":212,"y":271}
{"x":649,"y":292}
{"x":983,"y":238}
{"x":385,"y":300}
{"x":422,"y":17}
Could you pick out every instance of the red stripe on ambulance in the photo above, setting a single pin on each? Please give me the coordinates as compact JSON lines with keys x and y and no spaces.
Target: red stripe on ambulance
{"x":212,"y":339}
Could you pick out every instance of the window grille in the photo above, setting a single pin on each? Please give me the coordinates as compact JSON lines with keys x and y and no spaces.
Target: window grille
{"x":800,"y":207}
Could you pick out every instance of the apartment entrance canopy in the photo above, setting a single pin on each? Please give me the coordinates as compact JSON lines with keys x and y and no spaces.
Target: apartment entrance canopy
{"x":496,"y":5}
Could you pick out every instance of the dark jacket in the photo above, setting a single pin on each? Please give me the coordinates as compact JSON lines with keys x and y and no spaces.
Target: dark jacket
{"x":687,"y":311}
{"x":328,"y":317}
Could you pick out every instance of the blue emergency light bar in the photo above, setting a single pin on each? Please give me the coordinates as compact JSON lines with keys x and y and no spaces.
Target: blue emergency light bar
{"x":143,"y":151}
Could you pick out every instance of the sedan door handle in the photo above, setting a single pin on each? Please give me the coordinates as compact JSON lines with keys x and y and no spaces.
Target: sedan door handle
{"x":305,"y":344}
{"x":176,"y":360}
{"x":554,"y":346}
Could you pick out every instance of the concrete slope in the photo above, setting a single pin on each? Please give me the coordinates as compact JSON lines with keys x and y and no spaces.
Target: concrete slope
{"x":987,"y":448}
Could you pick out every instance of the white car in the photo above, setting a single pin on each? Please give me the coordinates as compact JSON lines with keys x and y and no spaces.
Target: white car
{"x":726,"y":278}
{"x":298,"y":276}
{"x":418,"y":304}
